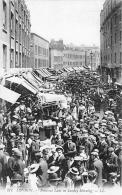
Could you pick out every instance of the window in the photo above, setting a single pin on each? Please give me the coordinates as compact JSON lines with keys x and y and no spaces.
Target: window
{"x":20,"y":59}
{"x":4,"y":15}
{"x":120,"y":15}
{"x":23,"y":59}
{"x":12,"y":59}
{"x":20,"y":33}
{"x":115,"y":58}
{"x":35,"y":49}
{"x":120,"y":57}
{"x":16,"y":62}
{"x":120,"y":35}
{"x":12,"y":23}
{"x":35,"y":63}
{"x":4,"y":56}
{"x":16,"y":30}
{"x":115,"y":38}
{"x":38,"y":50}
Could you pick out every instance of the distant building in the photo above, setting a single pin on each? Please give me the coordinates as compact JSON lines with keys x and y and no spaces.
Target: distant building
{"x":14,"y":35}
{"x":56,"y":54}
{"x":39,"y":57}
{"x":92,"y":56}
{"x":111,"y":39}
{"x":73,"y":57}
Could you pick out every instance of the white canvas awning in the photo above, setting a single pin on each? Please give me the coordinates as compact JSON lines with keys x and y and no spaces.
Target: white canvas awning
{"x":8,"y":95}
{"x":23,"y":82}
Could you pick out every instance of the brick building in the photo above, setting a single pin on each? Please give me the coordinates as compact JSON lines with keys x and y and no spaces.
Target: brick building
{"x":39,"y":52}
{"x":111,"y":39}
{"x":14,"y":35}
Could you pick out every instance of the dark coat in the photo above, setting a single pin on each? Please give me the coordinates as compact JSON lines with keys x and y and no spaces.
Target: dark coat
{"x":3,"y":166}
{"x":42,"y":173}
{"x":113,"y":161}
{"x":69,"y":148}
{"x":98,"y":166}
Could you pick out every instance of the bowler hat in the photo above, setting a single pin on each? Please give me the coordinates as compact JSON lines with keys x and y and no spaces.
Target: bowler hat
{"x":59,"y":148}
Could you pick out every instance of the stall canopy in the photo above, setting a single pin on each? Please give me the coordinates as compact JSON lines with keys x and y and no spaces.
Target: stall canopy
{"x":47,"y":97}
{"x":23,"y":82}
{"x":8,"y":95}
{"x":46,"y":72}
{"x":41,"y":73}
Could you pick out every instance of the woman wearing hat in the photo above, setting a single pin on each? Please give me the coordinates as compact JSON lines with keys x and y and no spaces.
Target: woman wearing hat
{"x":53,"y":176}
{"x":71,"y":178}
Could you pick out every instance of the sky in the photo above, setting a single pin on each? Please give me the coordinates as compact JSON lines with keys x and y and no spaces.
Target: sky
{"x":74,"y":21}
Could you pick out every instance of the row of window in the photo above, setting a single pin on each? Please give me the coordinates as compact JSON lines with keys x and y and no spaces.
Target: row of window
{"x":58,"y":58}
{"x":109,"y":8}
{"x":20,"y":59}
{"x":41,"y":51}
{"x":112,"y":58}
{"x":112,"y":40}
{"x":72,"y":63}
{"x":41,"y":63}
{"x":74,"y":56}
{"x":14,"y":24}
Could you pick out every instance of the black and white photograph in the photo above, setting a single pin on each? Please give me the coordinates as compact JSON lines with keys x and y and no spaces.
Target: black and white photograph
{"x":61,"y":96}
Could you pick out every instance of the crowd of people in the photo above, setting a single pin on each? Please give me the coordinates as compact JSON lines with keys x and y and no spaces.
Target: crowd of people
{"x":82,"y":152}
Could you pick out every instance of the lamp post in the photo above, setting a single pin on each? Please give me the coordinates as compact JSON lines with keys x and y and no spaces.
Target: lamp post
{"x":120,"y":144}
{"x":91,"y":54}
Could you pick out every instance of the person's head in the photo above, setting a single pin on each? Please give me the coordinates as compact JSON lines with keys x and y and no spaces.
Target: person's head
{"x":79,"y":161}
{"x":112,"y":178}
{"x":73,"y":172}
{"x":94,"y":155}
{"x":59,"y":150}
{"x":46,"y":153}
{"x":110,"y":151}
{"x":92,"y":176}
{"x":69,"y":139}
{"x":81,"y":149}
{"x":2,"y":146}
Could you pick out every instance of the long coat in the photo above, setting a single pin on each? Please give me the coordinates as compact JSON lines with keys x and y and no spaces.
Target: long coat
{"x":98,"y":166}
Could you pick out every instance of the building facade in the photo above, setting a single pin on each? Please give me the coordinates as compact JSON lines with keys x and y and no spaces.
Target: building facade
{"x":39,"y":52}
{"x":14,"y":35}
{"x":73,"y":57}
{"x":56,"y":54}
{"x":111,"y":39}
{"x":92,"y":57}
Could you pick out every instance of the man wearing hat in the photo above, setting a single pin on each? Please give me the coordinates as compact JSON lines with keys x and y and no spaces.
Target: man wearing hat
{"x":15,"y":126}
{"x":53,"y":176}
{"x":71,"y":178}
{"x":97,"y":165}
{"x":34,"y":148}
{"x":102,"y":146}
{"x":18,"y":167}
{"x":41,"y":171}
{"x":3,"y":166}
{"x":24,"y":127}
{"x":61,"y":161}
{"x":69,"y":146}
{"x":112,"y":161}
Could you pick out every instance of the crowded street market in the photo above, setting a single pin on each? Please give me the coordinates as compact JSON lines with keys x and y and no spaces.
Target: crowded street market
{"x":60,"y":130}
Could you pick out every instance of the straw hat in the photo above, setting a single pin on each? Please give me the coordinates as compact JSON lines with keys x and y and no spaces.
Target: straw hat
{"x":53,"y":169}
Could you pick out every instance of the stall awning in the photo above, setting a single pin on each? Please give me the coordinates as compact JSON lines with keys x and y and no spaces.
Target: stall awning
{"x":42,"y":73}
{"x":23,"y":82}
{"x":46,"y":72}
{"x":47,"y":97}
{"x":8,"y":95}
